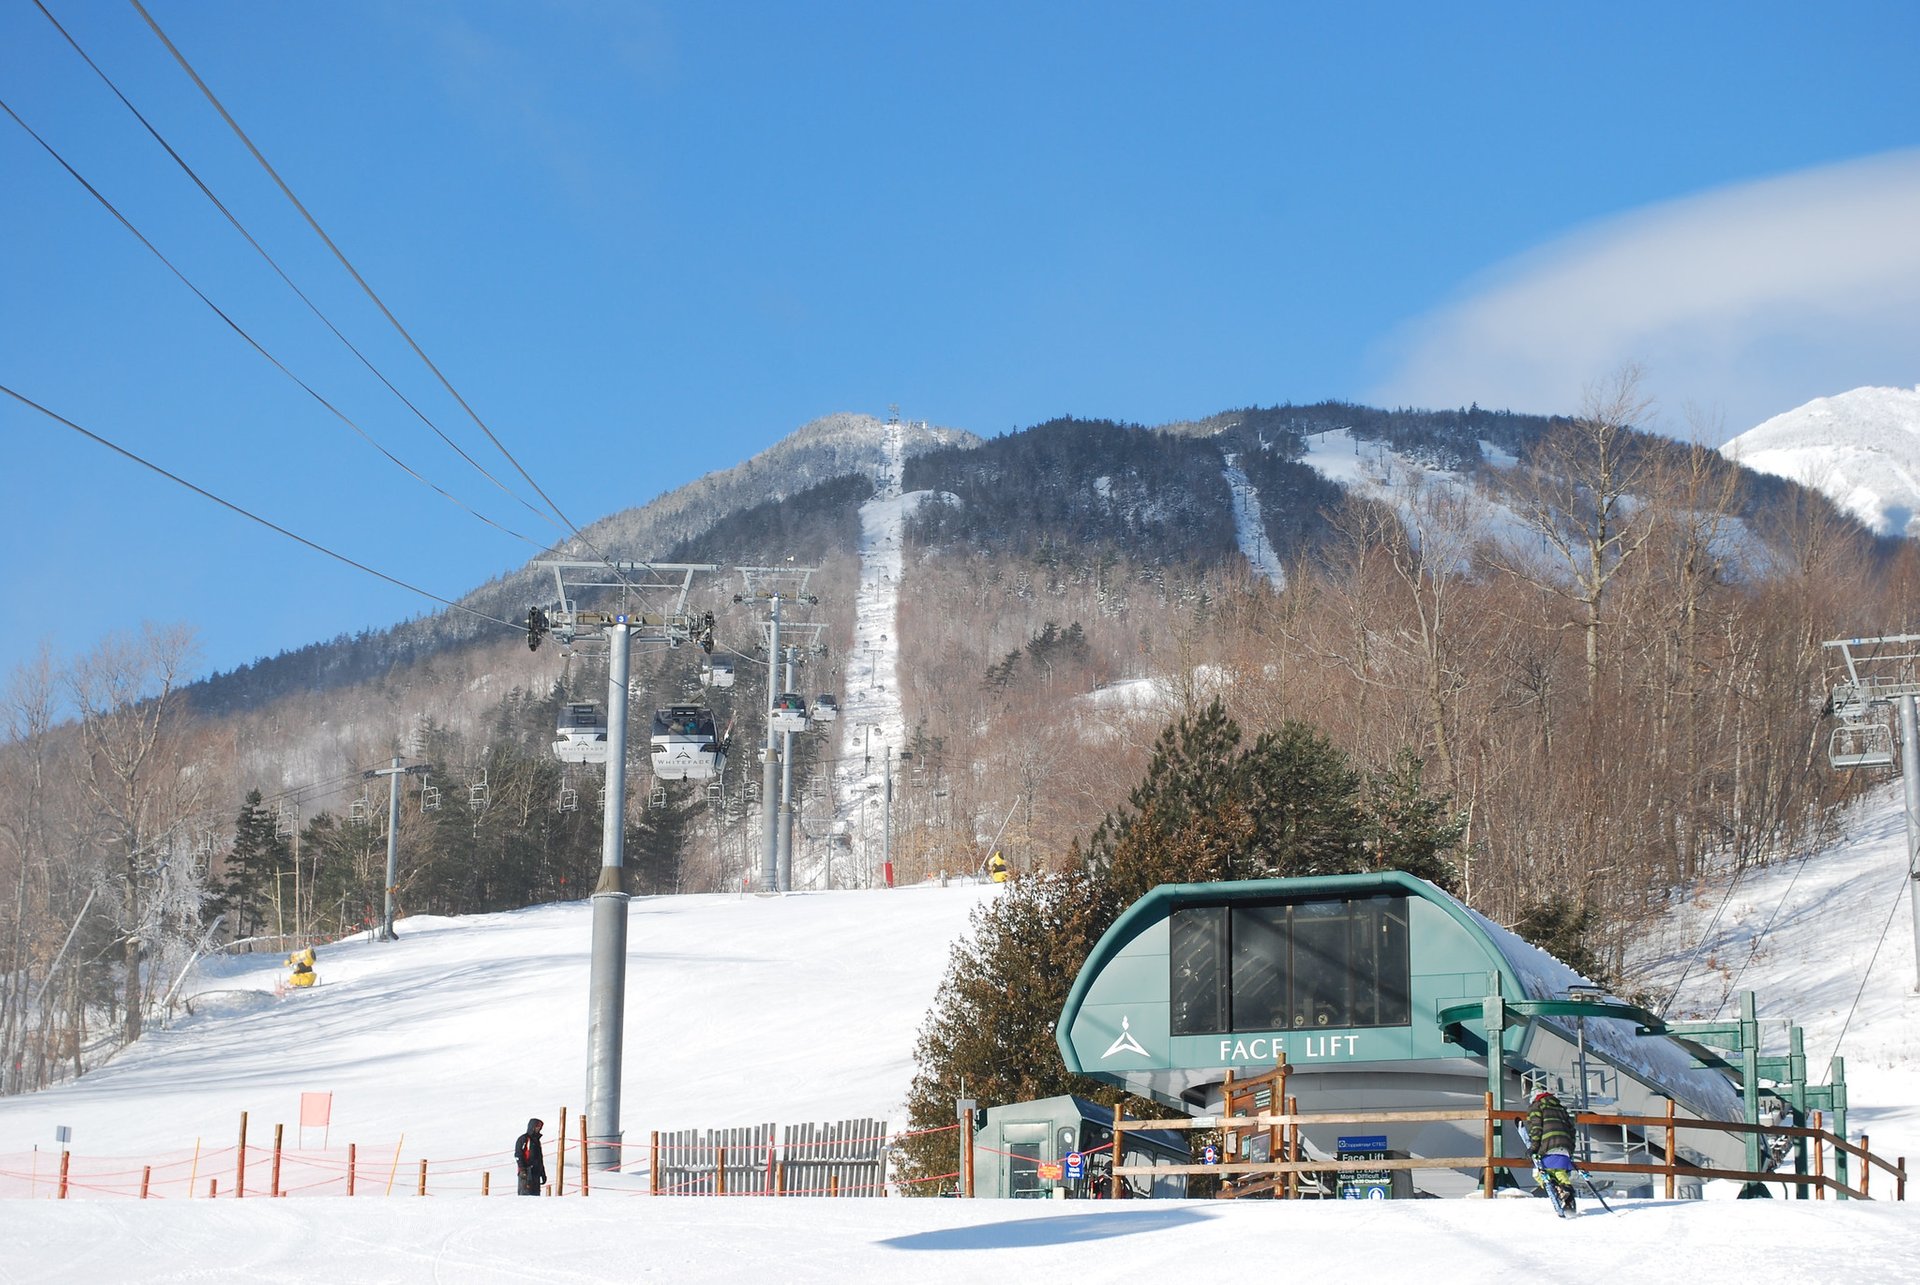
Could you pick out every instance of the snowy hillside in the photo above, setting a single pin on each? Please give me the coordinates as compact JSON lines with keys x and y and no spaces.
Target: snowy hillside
{"x":743,"y":1009}
{"x":1860,"y":449}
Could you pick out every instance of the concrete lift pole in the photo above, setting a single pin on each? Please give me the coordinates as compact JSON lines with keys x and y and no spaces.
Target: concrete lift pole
{"x":1910,"y":782}
{"x":393,"y":775}
{"x":607,"y":988}
{"x":770,"y":800}
{"x":786,"y":792}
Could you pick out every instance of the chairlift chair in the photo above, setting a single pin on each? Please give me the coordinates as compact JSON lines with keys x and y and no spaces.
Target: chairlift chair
{"x":685,"y":745}
{"x":1861,"y":745}
{"x":825,"y":708}
{"x":716,"y":673}
{"x":429,"y":798}
{"x":657,"y":799}
{"x":581,"y":736}
{"x":569,"y":800}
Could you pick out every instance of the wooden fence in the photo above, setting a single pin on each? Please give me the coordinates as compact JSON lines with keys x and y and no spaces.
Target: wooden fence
{"x":1281,"y":1176}
{"x":845,"y":1158}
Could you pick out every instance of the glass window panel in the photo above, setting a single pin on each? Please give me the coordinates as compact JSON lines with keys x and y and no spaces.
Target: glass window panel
{"x":1259,"y":945}
{"x":1198,"y":985}
{"x":1320,"y":966}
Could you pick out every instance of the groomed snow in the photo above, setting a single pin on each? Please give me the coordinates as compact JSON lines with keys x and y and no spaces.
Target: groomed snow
{"x":744,"y":1010}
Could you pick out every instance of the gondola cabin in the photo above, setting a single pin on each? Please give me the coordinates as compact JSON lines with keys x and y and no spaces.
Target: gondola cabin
{"x":685,"y":747}
{"x":716,"y":673}
{"x":790,"y":713}
{"x":581,"y":736}
{"x":825,"y":708}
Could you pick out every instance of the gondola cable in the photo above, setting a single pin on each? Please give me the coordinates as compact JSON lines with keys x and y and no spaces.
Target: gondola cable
{"x":251,"y":516}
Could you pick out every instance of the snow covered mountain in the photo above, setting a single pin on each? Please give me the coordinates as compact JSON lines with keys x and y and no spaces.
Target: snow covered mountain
{"x":1861,"y":449}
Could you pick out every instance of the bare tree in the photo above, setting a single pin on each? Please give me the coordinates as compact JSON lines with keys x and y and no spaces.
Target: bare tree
{"x":132,"y":716}
{"x":1576,"y":491}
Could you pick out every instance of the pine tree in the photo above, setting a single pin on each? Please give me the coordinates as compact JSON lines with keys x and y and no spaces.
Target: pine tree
{"x":258,"y":854}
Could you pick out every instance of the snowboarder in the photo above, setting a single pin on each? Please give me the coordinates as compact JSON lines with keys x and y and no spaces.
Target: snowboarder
{"x":529,"y":1160}
{"x":1550,"y":1141}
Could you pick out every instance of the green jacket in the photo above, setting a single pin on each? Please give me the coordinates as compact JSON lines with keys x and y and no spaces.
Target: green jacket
{"x":1549,"y":1126}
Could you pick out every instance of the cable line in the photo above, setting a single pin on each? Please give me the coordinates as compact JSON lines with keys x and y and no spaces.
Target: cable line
{"x":355,"y":274}
{"x":272,"y":263}
{"x":254,"y":517}
{"x":240,"y":330}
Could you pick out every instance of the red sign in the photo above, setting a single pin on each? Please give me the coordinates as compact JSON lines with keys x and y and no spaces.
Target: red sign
{"x":1051,"y":1173}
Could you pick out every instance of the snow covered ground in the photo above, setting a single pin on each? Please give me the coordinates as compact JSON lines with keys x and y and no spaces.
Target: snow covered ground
{"x":871,"y":724}
{"x":1249,"y":528}
{"x":745,"y":1009}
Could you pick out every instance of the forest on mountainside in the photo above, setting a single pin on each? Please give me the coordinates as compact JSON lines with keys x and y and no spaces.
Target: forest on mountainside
{"x":1604,"y":661}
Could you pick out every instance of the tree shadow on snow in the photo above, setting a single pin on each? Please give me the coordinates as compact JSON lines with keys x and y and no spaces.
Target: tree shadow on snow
{"x":1029,"y":1233}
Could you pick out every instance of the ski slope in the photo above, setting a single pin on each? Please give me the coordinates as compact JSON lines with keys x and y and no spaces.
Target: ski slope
{"x":745,"y":1009}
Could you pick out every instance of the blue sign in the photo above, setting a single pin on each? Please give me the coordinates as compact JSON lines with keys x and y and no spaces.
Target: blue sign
{"x":1371,"y":1142}
{"x":1076,"y":1166}
{"x":1209,"y":1155}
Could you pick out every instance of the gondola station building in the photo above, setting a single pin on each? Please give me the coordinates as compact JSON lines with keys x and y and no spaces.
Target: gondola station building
{"x":1380,"y":992}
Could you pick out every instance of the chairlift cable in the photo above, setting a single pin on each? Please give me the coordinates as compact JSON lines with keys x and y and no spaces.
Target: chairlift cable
{"x":251,"y":516}
{"x":1867,"y":972}
{"x":1705,"y":937}
{"x":1754,"y":949}
{"x":301,"y":294}
{"x":369,"y":290}
{"x":241,"y":331}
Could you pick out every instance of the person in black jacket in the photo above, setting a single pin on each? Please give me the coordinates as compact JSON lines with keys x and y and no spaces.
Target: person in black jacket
{"x":529,"y":1161}
{"x":1550,"y":1139}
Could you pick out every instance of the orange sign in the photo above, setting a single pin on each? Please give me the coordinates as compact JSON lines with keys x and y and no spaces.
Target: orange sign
{"x":1050,"y":1173}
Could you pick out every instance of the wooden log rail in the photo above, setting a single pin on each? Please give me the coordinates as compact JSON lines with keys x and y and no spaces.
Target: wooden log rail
{"x":1667,"y":1127}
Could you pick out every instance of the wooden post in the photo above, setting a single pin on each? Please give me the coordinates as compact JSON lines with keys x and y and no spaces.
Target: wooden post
{"x":213,"y":1189}
{"x":278,"y":1131}
{"x":1819,"y":1159}
{"x":393,"y":1170}
{"x":1866,"y":1166}
{"x":653,"y":1164}
{"x":833,"y":1184}
{"x":780,"y":1179}
{"x":560,"y":1161}
{"x":966,"y":1155}
{"x":350,"y":1164}
{"x":584,"y":1188}
{"x":1292,"y":1183}
{"x":423,"y":1179}
{"x":146,"y":1180}
{"x":1900,"y":1179}
{"x":719,"y":1171}
{"x":486,"y":1182}
{"x":1487,"y":1142}
{"x":240,"y":1165}
{"x":65,"y":1157}
{"x":193,"y":1175}
{"x":1672,"y":1160}
{"x":1119,"y":1133}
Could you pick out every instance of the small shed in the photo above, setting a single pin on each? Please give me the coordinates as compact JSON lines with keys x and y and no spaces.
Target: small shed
{"x":1023,"y":1150}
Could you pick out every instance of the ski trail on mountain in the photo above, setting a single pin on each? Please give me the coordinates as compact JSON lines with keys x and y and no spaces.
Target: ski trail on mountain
{"x":872,"y":724}
{"x":1248,"y":528}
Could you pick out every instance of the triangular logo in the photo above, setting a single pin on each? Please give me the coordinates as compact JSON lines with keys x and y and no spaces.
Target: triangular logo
{"x":1125,"y":1044}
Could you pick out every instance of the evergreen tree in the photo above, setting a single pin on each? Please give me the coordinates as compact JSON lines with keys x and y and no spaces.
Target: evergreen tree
{"x":1288,"y":805}
{"x":258,"y":854}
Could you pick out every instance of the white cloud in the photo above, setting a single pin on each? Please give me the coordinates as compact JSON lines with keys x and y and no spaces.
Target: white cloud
{"x":1744,"y":301}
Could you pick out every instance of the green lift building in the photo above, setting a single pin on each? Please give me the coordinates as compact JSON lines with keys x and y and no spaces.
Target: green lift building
{"x":1382,"y":992}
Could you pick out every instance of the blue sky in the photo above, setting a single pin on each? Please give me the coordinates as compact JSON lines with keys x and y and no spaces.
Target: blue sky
{"x":647,"y":241}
